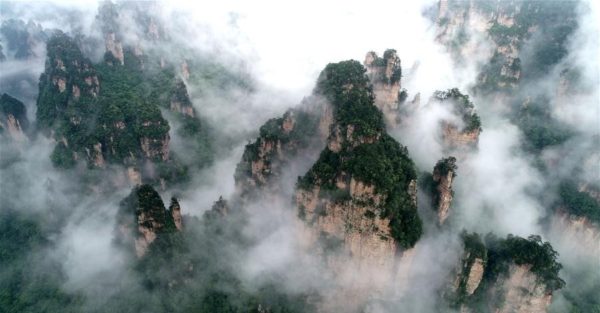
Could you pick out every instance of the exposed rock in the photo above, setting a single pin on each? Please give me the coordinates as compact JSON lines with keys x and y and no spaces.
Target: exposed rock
{"x":443,"y":174}
{"x":60,"y":96}
{"x":521,"y":276}
{"x":22,"y":41}
{"x":281,"y":140}
{"x":345,"y":214}
{"x":175,"y":211}
{"x":385,"y":75}
{"x":115,"y":47}
{"x":99,"y":158}
{"x":13,"y":118}
{"x":357,"y":224}
{"x":180,"y":100}
{"x":221,"y":207}
{"x":134,"y":176}
{"x":459,"y":137}
{"x":577,"y":229}
{"x":523,"y":292}
{"x":155,"y":148}
{"x":412,"y":190}
{"x":455,"y":138}
{"x":185,"y":70}
{"x":151,"y":218}
{"x":475,"y":276}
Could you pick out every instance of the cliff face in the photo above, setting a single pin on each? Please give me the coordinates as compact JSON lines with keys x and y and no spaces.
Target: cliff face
{"x":466,"y":134}
{"x":180,"y":100}
{"x":385,"y":75}
{"x":13,"y":118}
{"x":358,"y":200}
{"x":22,"y":40}
{"x":523,"y":293}
{"x":577,"y":215}
{"x":108,"y":17}
{"x":577,"y":228}
{"x":443,"y":174}
{"x":150,"y":218}
{"x":102,"y":114}
{"x":499,"y":31}
{"x":279,"y":141}
{"x":506,"y":275}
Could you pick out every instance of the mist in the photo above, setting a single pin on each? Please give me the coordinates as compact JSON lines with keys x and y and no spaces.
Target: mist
{"x":279,"y":49}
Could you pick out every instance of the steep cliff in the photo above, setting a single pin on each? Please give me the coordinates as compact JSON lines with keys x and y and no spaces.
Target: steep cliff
{"x":359,"y":198}
{"x":465,"y":133}
{"x":385,"y":74}
{"x":506,"y":275}
{"x":577,"y":215}
{"x":23,"y":40}
{"x":108,"y":16}
{"x":471,"y":269}
{"x":280,"y":140}
{"x":102,"y":114}
{"x":525,"y":38}
{"x":13,"y":118}
{"x":150,"y":218}
{"x":443,"y":175}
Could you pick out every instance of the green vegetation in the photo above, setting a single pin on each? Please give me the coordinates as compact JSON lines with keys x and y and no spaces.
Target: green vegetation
{"x":192,"y":270}
{"x":440,"y":171}
{"x":144,"y":200}
{"x":402,"y":96}
{"x":531,"y":251}
{"x":463,"y":106}
{"x":347,"y":88}
{"x":491,"y":78}
{"x":118,"y":109}
{"x":445,"y":165}
{"x":474,"y":248}
{"x":29,"y":280}
{"x":498,"y":255}
{"x":543,"y":26}
{"x":14,"y":107}
{"x":541,"y":130}
{"x":383,"y":163}
{"x":301,"y":135}
{"x":396,"y":74}
{"x":578,"y":203}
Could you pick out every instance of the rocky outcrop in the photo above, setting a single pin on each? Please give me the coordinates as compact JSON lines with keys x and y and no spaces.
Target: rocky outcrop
{"x":175,"y":211}
{"x":22,"y":40}
{"x":13,"y":119}
{"x":108,"y":19}
{"x":474,"y":277}
{"x":68,"y":83}
{"x":464,"y":135}
{"x":134,"y":176}
{"x":115,"y":48}
{"x":357,"y":224}
{"x":120,"y":125}
{"x":221,"y":207}
{"x":155,"y":148}
{"x":496,"y":33}
{"x":455,"y":138}
{"x":150,"y":218}
{"x":577,"y":229}
{"x":385,"y":75}
{"x":443,"y":175}
{"x":180,"y":100}
{"x":280,"y":140}
{"x":353,"y":217}
{"x":506,"y":275}
{"x":523,"y":292}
